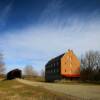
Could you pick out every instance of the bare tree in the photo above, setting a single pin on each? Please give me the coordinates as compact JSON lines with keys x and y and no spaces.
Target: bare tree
{"x":29,"y":70}
{"x":2,"y":64}
{"x":42,"y":73}
{"x":90,"y":65}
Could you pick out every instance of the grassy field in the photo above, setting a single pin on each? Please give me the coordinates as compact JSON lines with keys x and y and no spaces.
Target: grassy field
{"x":21,"y":89}
{"x":13,"y":90}
{"x":80,"y":90}
{"x":37,"y":78}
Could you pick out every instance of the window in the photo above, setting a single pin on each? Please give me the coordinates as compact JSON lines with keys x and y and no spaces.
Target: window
{"x":70,"y":59}
{"x":57,"y":70}
{"x":65,"y":70}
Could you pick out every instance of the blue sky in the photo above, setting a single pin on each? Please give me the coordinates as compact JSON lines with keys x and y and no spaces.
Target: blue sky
{"x":34,"y":31}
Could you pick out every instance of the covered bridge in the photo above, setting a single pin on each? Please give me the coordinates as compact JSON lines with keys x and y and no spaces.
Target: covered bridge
{"x":16,"y":73}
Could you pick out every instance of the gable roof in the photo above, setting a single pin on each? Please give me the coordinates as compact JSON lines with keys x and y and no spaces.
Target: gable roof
{"x":55,"y":59}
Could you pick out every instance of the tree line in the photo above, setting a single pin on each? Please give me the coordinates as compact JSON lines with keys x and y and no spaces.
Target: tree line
{"x":90,"y":67}
{"x":2,"y":64}
{"x":28,"y":70}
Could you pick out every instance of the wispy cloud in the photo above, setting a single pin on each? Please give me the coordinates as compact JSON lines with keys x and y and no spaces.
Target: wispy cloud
{"x":37,"y":44}
{"x":51,"y":12}
{"x":4,"y":14}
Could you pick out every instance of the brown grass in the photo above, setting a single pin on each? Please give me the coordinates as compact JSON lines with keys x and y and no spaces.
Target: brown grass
{"x":34,"y":78}
{"x":13,"y":90}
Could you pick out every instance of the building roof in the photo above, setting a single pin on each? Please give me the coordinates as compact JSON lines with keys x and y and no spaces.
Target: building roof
{"x":55,"y":59}
{"x":13,"y":70}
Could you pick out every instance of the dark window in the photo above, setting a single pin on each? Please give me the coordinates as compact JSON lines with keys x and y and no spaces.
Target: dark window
{"x":57,"y":70}
{"x":57,"y":63}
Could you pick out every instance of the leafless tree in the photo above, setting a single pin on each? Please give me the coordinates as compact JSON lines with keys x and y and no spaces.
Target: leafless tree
{"x":42,"y":73}
{"x":30,"y":71}
{"x":2,"y":64}
{"x":90,"y":65}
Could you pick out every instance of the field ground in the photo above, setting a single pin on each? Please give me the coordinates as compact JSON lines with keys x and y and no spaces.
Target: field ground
{"x":82,"y":91}
{"x":14,"y":90}
{"x":21,"y":89}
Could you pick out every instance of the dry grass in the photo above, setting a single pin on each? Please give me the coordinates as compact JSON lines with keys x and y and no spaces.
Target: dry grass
{"x":72,"y":90}
{"x":13,"y":90}
{"x":34,"y":78}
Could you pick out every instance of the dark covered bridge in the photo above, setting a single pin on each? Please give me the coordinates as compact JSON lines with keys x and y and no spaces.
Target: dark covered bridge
{"x":16,"y":73}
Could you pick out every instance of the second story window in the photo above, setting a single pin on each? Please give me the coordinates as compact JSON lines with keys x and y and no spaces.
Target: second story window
{"x":65,"y":70}
{"x":54,"y":64}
